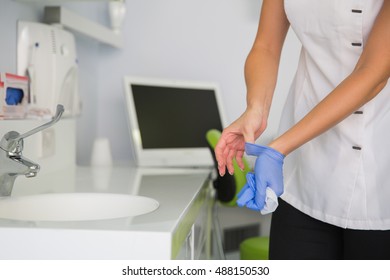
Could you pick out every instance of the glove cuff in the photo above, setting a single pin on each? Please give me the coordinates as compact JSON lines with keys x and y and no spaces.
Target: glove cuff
{"x":256,"y":150}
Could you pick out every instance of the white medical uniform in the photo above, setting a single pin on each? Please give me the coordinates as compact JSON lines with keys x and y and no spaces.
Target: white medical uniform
{"x":342,"y":177}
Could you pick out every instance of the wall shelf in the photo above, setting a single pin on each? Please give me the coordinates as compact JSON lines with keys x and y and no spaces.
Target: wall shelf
{"x":59,"y":1}
{"x":77,"y":23}
{"x":74,"y":22}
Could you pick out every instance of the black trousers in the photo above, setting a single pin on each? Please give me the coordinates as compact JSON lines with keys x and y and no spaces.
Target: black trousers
{"x":295,"y":235}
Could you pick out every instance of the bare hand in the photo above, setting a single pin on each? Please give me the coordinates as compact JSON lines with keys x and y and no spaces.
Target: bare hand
{"x":247,"y":128}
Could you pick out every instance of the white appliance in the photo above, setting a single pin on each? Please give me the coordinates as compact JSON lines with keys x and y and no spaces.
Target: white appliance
{"x":47,"y":55}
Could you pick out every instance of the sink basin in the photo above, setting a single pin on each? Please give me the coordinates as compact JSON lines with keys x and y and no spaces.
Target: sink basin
{"x":75,"y":207}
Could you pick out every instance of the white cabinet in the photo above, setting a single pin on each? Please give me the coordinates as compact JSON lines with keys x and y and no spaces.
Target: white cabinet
{"x":196,"y":244}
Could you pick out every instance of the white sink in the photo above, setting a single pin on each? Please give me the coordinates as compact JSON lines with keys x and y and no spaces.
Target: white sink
{"x":75,"y":207}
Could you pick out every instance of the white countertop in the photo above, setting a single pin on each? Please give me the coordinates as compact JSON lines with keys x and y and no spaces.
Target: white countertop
{"x":149,"y":236}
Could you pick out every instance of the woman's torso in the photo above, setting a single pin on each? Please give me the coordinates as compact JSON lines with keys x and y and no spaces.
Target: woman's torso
{"x":342,"y":176}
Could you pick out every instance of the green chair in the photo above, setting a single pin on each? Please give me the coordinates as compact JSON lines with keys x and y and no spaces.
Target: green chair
{"x":254,"y":248}
{"x":227,"y":188}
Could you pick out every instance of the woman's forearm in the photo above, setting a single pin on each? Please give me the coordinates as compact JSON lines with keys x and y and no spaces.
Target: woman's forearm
{"x":261,"y":70}
{"x":261,"y":66}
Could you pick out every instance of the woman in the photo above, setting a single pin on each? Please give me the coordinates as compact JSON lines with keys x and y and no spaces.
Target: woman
{"x":334,"y":131}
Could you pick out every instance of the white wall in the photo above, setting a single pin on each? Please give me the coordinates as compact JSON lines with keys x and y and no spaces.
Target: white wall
{"x":9,"y":13}
{"x":176,"y":39}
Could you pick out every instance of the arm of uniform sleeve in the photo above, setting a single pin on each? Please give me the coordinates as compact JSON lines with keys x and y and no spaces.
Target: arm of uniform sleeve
{"x":369,"y":77}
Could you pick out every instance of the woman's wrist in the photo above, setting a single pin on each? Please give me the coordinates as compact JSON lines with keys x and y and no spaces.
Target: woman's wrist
{"x":278,"y":145}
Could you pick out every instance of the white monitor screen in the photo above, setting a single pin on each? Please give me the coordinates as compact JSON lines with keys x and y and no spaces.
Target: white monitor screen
{"x":169,"y":120}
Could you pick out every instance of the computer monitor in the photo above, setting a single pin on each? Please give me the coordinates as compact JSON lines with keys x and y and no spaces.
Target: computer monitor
{"x":168,"y":120}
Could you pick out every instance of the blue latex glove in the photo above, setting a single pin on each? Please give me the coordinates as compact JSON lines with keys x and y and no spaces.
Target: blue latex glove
{"x":268,"y":173}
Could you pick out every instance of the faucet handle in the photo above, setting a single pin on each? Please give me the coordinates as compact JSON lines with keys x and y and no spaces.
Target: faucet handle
{"x":13,"y":141}
{"x":56,"y":118}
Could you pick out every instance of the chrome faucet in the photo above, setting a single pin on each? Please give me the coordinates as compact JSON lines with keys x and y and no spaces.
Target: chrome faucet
{"x":12,"y":162}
